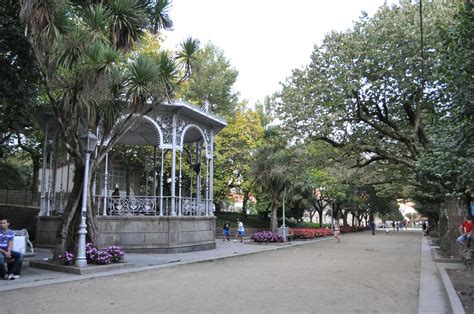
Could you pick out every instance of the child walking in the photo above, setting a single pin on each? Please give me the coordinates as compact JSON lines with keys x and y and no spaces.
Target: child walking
{"x":226,"y":231}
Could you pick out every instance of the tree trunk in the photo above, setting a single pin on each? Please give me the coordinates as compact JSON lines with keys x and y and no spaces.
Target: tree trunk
{"x":68,"y":229}
{"x":455,"y":214}
{"x":344,"y":217}
{"x":245,"y":202}
{"x":218,"y":208}
{"x":34,"y":185}
{"x":320,"y":213}
{"x":274,"y":221}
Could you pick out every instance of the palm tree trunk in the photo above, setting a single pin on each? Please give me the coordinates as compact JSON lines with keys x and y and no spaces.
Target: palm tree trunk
{"x":67,"y":230}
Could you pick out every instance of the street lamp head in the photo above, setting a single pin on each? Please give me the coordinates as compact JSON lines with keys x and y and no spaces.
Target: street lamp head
{"x":89,"y":141}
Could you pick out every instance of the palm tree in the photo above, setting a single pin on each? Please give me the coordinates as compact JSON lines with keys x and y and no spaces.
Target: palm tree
{"x":92,"y":79}
{"x":271,"y":170}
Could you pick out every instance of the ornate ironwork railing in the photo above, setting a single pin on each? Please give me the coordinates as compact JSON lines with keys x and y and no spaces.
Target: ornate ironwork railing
{"x":139,"y":206}
{"x":150,"y":206}
{"x":195,"y":207}
{"x":132,"y":206}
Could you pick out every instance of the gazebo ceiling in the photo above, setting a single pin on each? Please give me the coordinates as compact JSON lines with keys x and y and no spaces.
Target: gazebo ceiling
{"x":144,"y":134}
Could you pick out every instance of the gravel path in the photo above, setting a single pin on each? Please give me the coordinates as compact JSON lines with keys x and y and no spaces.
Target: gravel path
{"x":362,"y":274}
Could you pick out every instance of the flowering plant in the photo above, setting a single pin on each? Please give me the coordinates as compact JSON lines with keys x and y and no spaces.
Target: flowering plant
{"x":346,"y":229}
{"x":266,"y":236}
{"x":91,"y":252}
{"x":102,"y":257}
{"x":310,"y":233}
{"x":67,"y":258}
{"x":116,"y":253}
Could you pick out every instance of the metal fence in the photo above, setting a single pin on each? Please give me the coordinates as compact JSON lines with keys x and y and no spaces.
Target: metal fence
{"x":15,"y":197}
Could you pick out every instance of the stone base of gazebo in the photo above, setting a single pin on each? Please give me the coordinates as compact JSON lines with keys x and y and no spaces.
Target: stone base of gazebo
{"x":143,"y":234}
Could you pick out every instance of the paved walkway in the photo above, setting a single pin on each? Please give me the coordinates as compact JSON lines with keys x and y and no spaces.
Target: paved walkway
{"x":33,"y":277}
{"x":364,"y":273}
{"x":433,"y":295}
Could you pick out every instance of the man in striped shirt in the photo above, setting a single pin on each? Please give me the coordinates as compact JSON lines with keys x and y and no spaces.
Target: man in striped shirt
{"x":7,"y":252}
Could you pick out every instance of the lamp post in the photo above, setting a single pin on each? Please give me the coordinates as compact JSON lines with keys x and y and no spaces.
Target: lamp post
{"x":283,"y":226}
{"x":89,"y":141}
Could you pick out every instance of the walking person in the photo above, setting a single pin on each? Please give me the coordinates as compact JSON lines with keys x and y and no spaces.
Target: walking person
{"x":7,"y":252}
{"x":337,"y":231}
{"x":372,"y":226}
{"x":226,"y":231}
{"x":240,"y":230}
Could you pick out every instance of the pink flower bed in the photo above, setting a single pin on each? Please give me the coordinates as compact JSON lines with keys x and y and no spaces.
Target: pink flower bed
{"x":310,"y":233}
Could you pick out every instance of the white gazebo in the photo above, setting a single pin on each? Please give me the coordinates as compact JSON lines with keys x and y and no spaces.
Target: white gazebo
{"x":174,"y":211}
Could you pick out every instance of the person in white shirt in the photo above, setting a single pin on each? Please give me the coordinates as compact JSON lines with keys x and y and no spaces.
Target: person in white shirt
{"x":240,"y":230}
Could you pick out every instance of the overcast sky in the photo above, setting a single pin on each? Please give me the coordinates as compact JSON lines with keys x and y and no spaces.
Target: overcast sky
{"x":263,"y":39}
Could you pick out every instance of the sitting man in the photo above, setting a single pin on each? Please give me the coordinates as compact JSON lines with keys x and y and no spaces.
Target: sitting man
{"x":465,"y":238}
{"x":6,"y":252}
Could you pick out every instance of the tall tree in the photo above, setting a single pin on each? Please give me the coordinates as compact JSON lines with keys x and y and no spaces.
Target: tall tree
{"x":213,"y":80}
{"x":364,"y":89}
{"x":236,"y":147}
{"x":91,"y":81}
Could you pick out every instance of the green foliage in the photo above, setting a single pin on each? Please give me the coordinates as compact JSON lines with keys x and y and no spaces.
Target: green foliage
{"x":18,"y":81}
{"x":367,"y":93}
{"x":212,"y":81}
{"x":251,"y":221}
{"x":235,"y":153}
{"x":363,"y":89}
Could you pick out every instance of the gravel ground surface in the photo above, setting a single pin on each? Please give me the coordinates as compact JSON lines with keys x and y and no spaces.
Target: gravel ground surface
{"x":362,"y":274}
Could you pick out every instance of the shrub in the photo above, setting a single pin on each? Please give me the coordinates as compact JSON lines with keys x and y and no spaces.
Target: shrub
{"x":310,"y":233}
{"x":347,"y":229}
{"x":266,"y":236}
{"x":116,"y":253}
{"x":67,"y":258}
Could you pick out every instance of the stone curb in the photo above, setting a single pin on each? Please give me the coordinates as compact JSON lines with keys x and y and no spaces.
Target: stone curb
{"x":146,"y":268}
{"x":441,"y":263}
{"x":455,"y":303}
{"x":90,"y":269}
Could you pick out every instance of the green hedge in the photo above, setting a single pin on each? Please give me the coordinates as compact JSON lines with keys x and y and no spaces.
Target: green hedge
{"x":251,"y":221}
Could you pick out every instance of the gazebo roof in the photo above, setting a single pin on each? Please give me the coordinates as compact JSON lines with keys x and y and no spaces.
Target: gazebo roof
{"x":193,"y":112}
{"x":145,"y":134}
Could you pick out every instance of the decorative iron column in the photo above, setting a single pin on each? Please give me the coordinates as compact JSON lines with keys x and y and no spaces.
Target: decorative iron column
{"x":161,"y":181}
{"x":206,"y":196}
{"x":198,"y":174}
{"x":43,"y":174}
{"x":211,"y":173}
{"x":61,"y":191}
{"x":48,"y":205}
{"x":173,"y":169}
{"x":106,"y":183}
{"x":180,"y":182}
{"x":55,"y":171}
